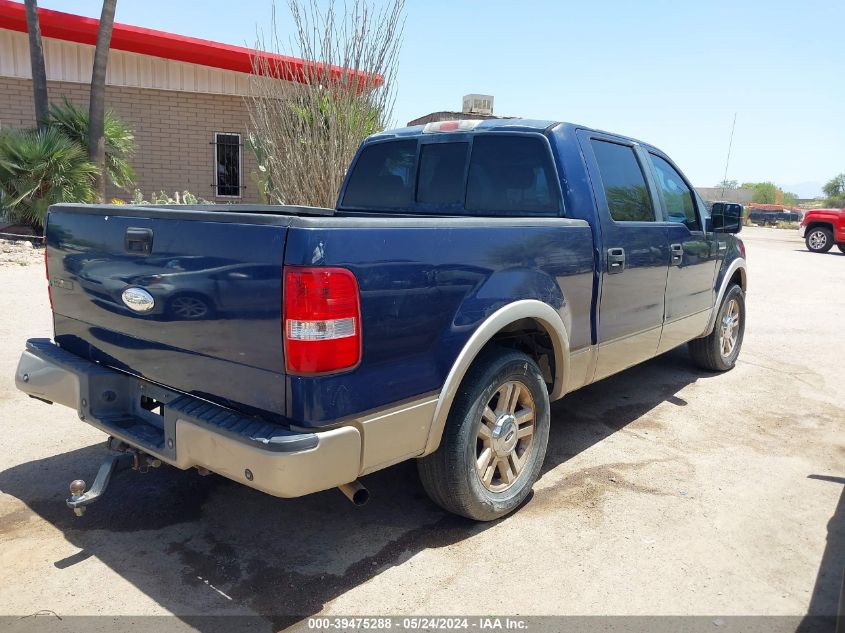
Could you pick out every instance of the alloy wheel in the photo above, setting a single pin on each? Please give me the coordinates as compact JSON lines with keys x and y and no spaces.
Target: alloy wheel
{"x":505,"y":436}
{"x":817,"y":240}
{"x":729,"y":329}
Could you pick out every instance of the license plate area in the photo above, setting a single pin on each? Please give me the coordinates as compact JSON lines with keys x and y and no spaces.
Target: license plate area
{"x":133,"y":410}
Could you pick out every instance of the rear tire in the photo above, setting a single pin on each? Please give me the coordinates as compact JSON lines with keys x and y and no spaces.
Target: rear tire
{"x":494,"y":441}
{"x":841,"y":247}
{"x":819,"y":240}
{"x":719,"y":350}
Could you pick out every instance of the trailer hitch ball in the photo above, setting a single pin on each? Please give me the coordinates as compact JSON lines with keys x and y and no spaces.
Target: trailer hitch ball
{"x":77,"y":489}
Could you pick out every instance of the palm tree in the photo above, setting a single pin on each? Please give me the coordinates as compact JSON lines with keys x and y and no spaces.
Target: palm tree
{"x":97,"y":103}
{"x":39,"y":168}
{"x":36,"y":58}
{"x":119,"y":140}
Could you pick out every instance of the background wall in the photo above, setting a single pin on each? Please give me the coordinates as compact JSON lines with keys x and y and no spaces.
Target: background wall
{"x":173,"y":131}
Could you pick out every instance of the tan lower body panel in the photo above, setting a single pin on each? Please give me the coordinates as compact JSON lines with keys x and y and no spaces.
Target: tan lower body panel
{"x":395,"y":435}
{"x":335,"y":460}
{"x":41,"y":378}
{"x":682,"y":330}
{"x":622,"y":353}
{"x":580,"y":368}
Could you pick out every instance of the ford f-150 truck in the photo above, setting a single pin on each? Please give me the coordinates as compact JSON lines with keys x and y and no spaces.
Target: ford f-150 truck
{"x":822,"y":228}
{"x":471,"y":273}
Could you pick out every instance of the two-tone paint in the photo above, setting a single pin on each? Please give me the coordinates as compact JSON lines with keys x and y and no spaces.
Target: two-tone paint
{"x":436,"y":286}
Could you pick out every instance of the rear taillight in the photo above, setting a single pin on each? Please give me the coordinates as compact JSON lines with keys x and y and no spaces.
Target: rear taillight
{"x":322,"y":329}
{"x":47,"y":273}
{"x":741,"y":246}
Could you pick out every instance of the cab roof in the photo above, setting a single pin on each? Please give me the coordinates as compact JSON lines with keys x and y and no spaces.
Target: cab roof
{"x":540,"y":126}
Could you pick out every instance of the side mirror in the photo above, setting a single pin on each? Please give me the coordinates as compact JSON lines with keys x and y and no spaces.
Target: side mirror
{"x":726,"y":217}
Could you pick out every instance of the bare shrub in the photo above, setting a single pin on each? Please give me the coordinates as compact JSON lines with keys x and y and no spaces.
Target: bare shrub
{"x":305,"y":133}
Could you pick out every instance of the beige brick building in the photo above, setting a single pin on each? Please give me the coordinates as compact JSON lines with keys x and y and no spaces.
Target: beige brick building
{"x":186,"y":99}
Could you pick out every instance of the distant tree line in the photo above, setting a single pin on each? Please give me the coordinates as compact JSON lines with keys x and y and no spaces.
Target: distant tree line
{"x":763,"y":192}
{"x":834,"y":189}
{"x":770,"y":193}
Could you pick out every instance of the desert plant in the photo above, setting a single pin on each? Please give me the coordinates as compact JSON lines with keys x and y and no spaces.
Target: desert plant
{"x":72,"y":120}
{"x":305,"y":133}
{"x":40,"y":168}
{"x":185,"y":197}
{"x":261,"y":179}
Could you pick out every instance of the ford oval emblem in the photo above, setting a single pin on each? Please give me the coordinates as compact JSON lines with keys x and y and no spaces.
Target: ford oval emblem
{"x":138,"y":299}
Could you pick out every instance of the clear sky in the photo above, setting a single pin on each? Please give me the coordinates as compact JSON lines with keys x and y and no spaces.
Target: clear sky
{"x":672,"y":73}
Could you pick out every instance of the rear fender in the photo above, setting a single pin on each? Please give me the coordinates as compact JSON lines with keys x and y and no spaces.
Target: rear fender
{"x":543,"y":314}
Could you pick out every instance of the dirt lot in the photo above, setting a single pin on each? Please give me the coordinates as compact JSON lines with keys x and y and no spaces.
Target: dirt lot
{"x":666,"y":491}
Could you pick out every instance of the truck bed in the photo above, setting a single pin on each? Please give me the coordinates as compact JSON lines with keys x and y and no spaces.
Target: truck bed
{"x":216,"y":277}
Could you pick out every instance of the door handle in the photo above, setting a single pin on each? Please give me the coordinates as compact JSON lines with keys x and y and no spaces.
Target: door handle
{"x":677,"y":253}
{"x":615,"y":260}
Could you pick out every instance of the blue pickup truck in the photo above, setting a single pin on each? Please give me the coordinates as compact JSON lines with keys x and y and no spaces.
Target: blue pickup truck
{"x":471,"y":273}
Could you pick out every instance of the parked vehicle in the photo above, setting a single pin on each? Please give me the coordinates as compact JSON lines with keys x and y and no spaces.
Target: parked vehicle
{"x":471,"y":273}
{"x":822,"y":228}
{"x":771,"y":218}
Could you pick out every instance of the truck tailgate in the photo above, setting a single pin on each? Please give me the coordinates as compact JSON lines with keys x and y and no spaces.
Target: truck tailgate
{"x":210,"y":290}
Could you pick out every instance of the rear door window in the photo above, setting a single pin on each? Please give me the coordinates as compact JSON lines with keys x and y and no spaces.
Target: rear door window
{"x":441,"y":175}
{"x":511,"y":175}
{"x":383,"y":176}
{"x":624,"y":183}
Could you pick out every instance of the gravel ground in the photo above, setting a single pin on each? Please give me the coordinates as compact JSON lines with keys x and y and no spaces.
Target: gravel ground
{"x":20,"y":253}
{"x":667,"y":490}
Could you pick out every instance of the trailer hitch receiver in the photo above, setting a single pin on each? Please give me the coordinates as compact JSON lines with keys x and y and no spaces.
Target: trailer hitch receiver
{"x":128,"y":458}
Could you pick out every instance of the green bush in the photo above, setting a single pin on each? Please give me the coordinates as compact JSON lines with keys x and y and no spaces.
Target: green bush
{"x":38,"y":169}
{"x":72,"y":120}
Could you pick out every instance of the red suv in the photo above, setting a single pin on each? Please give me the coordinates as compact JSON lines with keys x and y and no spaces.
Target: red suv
{"x":822,"y":228}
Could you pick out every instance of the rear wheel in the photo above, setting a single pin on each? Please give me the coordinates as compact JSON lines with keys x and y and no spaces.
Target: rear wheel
{"x":841,"y":247}
{"x":819,"y":239}
{"x":719,"y":350}
{"x":494,"y":441}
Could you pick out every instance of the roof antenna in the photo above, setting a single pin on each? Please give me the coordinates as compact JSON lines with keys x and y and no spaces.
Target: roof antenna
{"x":728,"y":159}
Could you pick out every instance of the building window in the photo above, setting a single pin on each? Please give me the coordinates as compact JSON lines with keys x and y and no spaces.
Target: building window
{"x":227,"y":162}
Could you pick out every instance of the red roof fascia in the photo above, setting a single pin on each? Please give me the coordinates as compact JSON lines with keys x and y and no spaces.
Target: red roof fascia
{"x":135,"y":39}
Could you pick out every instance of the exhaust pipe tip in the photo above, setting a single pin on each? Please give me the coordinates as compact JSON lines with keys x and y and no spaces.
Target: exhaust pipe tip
{"x":355,"y":492}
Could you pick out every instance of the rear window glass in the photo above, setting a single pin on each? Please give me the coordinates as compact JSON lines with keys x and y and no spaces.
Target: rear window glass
{"x":624,"y":183}
{"x":511,"y":174}
{"x":441,"y":176}
{"x":383,"y":176}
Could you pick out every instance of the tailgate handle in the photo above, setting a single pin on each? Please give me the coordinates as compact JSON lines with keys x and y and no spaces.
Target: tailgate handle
{"x":138,"y":240}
